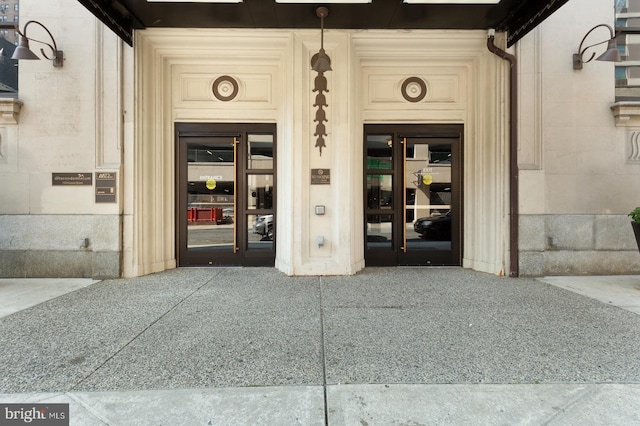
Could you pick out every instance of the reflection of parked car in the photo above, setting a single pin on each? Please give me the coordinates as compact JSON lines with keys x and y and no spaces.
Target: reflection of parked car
{"x":227,"y":215}
{"x":438,"y":227}
{"x":264,"y":226}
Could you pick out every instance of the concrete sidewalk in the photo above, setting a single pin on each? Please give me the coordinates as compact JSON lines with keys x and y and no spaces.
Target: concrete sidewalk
{"x":387,"y":346}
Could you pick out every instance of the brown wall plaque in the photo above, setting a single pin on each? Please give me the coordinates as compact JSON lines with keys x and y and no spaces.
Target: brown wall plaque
{"x":106,"y":187}
{"x":320,"y":176}
{"x":72,"y":179}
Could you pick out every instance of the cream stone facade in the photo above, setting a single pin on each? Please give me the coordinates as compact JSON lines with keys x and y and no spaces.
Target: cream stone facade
{"x":578,"y":175}
{"x":114,"y":109}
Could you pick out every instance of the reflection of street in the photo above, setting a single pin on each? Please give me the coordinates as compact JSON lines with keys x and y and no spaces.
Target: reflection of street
{"x":380,"y":234}
{"x":416,"y":241}
{"x":215,"y":236}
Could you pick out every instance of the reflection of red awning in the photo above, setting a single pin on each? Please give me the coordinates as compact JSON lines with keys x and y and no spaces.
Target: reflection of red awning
{"x":516,"y":17}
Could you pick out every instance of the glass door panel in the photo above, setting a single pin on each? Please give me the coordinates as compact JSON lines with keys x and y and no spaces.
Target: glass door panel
{"x":259,"y":151}
{"x":225,"y":191}
{"x":428,"y":194}
{"x":260,"y":232}
{"x":261,"y":226}
{"x":432,"y":204}
{"x":413,"y":194}
{"x":211,"y":193}
{"x":379,"y":193}
{"x":260,"y":194}
{"x":379,"y":154}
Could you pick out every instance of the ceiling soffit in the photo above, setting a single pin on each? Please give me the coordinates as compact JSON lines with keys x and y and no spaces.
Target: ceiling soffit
{"x":516,"y":17}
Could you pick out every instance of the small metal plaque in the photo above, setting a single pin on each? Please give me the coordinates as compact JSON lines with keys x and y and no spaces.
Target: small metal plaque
{"x":72,"y":179}
{"x":320,"y":176}
{"x":106,"y":185}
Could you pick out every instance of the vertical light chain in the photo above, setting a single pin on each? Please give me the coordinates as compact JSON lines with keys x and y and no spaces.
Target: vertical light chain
{"x":321,"y":116}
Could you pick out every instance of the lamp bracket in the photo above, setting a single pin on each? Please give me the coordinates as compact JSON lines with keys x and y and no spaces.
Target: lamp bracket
{"x":322,"y":12}
{"x":57,"y":55}
{"x":578,"y":60}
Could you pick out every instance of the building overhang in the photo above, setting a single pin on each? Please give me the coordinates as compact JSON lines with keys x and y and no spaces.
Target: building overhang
{"x":515,"y":17}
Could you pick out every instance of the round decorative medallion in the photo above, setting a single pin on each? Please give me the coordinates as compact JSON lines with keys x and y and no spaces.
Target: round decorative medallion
{"x":414,"y":89}
{"x":225,"y":88}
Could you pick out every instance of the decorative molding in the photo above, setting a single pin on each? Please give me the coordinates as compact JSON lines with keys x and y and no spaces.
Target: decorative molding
{"x":200,"y":84}
{"x":10,"y":110}
{"x":433,"y":90}
{"x":414,"y":89}
{"x":466,"y":84}
{"x":8,"y":150}
{"x":162,"y":58}
{"x":626,"y":114}
{"x":225,"y":88}
{"x":634,"y":148}
{"x":108,"y":95}
{"x":530,"y":104}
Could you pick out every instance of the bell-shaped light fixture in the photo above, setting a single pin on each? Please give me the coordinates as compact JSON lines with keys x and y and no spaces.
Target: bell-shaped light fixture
{"x":612,"y":54}
{"x":23,"y":51}
{"x":320,"y":62}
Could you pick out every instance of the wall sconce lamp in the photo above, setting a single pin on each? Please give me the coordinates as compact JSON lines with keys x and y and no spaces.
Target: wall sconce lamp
{"x":320,"y":62}
{"x":22,"y":51}
{"x":610,"y":55}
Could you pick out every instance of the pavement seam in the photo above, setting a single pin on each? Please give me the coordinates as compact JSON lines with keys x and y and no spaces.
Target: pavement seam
{"x":88,"y":408}
{"x":322,"y":355}
{"x":589,"y":392}
{"x":181,"y":301}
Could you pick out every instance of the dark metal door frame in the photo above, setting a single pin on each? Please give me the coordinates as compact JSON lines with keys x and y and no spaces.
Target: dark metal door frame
{"x":393,"y":254}
{"x":241,"y":255}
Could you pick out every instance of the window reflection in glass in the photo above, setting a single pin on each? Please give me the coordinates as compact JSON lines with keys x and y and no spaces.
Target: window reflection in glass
{"x":259,"y":191}
{"x":379,"y":152}
{"x":428,"y":200}
{"x":260,"y":152}
{"x":627,"y":72}
{"x":210,"y":195}
{"x":260,"y":232}
{"x":379,"y":231}
{"x":8,"y":66}
{"x":210,"y":153}
{"x":379,"y":191}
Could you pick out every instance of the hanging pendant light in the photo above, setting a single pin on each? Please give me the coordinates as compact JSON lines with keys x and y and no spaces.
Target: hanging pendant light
{"x":320,"y":62}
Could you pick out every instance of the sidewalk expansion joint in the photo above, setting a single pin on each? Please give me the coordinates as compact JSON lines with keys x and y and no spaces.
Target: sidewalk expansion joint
{"x":181,"y":301}
{"x":562,"y":411}
{"x":322,"y":356}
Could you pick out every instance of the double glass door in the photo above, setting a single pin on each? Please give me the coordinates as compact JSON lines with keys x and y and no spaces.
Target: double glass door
{"x":225,"y":194}
{"x":413,"y":194}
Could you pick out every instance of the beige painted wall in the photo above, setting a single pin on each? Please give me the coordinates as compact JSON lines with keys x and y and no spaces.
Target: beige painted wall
{"x":579,"y":178}
{"x":70,"y":121}
{"x":579,"y":162}
{"x":174,"y":72}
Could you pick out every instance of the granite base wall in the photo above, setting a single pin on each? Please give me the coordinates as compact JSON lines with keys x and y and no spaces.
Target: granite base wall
{"x":60,"y":246}
{"x":577,"y":245}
